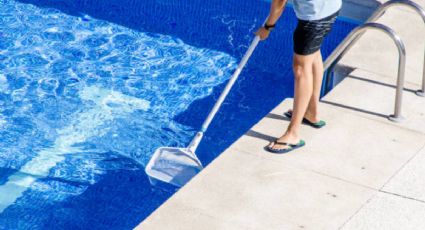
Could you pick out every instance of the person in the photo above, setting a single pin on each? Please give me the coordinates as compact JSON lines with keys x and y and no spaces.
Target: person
{"x":315,"y":20}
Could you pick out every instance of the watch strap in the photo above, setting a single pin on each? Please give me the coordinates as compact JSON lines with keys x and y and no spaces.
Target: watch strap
{"x":269,"y":27}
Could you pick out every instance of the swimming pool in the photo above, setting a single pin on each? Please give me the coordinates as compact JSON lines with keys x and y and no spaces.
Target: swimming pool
{"x":89,"y":89}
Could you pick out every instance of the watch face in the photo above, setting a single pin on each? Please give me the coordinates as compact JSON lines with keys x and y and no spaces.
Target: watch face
{"x":268,"y":28}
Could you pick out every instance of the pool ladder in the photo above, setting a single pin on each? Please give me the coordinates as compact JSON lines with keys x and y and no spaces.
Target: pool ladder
{"x":370,"y":24}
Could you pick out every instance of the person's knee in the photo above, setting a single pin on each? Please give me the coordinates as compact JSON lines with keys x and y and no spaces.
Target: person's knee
{"x":302,"y":65}
{"x":299,"y":70}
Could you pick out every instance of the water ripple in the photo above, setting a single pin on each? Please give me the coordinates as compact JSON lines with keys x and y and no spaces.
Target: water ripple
{"x":80,"y":96}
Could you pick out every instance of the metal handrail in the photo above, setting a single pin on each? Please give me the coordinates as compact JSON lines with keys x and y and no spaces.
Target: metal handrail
{"x":416,"y":7}
{"x":352,"y":38}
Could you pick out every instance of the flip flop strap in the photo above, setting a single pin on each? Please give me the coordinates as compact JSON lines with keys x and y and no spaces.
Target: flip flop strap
{"x":284,"y":143}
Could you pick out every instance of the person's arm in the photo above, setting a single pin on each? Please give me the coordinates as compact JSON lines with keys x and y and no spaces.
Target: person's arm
{"x":276,"y":11}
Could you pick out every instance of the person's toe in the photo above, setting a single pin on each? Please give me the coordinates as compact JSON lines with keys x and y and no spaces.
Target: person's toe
{"x":271,"y":145}
{"x":276,"y":146}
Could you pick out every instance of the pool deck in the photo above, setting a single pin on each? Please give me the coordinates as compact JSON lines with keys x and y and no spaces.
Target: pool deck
{"x":361,"y":171}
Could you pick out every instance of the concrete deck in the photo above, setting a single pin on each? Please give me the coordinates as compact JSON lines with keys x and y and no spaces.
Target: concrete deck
{"x":360,"y":172}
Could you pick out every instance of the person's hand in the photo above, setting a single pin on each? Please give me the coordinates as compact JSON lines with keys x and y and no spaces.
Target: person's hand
{"x":263,"y":33}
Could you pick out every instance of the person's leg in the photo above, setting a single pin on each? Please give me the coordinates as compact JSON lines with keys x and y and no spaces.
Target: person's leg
{"x":303,"y":71}
{"x":312,"y":113}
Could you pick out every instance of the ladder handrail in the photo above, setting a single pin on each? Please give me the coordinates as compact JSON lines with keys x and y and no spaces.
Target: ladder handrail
{"x":352,"y":38}
{"x":417,"y":8}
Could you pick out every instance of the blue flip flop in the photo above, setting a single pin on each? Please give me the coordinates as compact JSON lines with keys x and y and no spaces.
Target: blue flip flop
{"x":316,"y":125}
{"x":292,"y":147}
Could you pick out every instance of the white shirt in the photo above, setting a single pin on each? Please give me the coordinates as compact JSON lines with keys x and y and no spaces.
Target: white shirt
{"x":309,"y":10}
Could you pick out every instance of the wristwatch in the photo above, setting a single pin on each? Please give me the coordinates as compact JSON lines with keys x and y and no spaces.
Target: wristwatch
{"x":269,"y":27}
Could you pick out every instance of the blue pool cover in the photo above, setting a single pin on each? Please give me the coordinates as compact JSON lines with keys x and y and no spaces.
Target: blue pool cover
{"x":90,"y":88}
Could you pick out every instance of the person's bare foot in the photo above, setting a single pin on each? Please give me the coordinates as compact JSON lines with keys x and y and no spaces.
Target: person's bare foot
{"x":313,"y":118}
{"x":288,"y":138}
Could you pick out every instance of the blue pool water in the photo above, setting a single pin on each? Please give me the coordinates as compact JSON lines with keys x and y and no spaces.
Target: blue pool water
{"x":90,"y":88}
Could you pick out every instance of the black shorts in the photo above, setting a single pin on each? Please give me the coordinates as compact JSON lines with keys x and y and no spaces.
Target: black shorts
{"x":309,"y":35}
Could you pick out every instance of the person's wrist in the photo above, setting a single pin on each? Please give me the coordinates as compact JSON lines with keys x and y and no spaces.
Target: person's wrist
{"x":269,"y":27}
